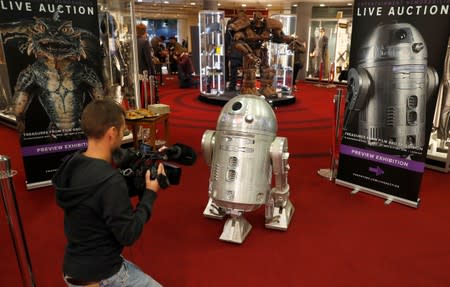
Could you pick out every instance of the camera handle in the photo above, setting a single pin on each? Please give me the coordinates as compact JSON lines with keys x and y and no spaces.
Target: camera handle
{"x":163,"y":181}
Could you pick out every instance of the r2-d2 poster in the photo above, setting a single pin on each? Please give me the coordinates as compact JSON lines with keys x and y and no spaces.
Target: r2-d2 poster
{"x":396,"y":61}
{"x":51,"y":49}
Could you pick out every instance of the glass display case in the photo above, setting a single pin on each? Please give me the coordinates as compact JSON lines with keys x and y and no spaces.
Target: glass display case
{"x":281,"y":58}
{"x":321,"y":48}
{"x":119,"y":51}
{"x":342,"y":51}
{"x":212,"y":52}
{"x":328,"y":48}
{"x":438,"y":154}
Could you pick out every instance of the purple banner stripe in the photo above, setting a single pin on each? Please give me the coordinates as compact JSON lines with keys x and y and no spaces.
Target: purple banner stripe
{"x":53,"y":148}
{"x":391,"y":160}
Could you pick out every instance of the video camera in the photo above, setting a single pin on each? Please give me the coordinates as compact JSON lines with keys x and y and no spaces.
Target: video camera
{"x":134,"y":164}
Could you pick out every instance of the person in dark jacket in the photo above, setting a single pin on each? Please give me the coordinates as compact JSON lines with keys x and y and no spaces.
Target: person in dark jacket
{"x":298,"y":60}
{"x":145,"y":62}
{"x":99,"y":219}
{"x":144,"y":50}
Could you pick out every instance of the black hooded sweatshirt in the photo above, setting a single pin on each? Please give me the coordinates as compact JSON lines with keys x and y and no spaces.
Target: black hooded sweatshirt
{"x":99,"y":219}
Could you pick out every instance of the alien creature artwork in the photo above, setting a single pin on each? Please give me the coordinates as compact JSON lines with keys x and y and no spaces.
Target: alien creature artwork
{"x":60,"y":78}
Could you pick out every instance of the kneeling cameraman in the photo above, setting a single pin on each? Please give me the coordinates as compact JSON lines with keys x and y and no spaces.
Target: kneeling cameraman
{"x":99,"y":219}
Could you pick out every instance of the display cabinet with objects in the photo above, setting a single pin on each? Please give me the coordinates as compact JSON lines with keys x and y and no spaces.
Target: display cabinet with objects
{"x":212,"y":53}
{"x":281,"y":58}
{"x":328,"y":48}
{"x":119,"y":52}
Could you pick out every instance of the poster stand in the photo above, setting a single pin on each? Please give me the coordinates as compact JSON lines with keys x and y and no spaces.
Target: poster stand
{"x":389,"y":198}
{"x":330,"y":173}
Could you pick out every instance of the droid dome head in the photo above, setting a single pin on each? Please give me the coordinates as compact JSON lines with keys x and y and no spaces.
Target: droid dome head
{"x":395,"y":41}
{"x":248,"y":114}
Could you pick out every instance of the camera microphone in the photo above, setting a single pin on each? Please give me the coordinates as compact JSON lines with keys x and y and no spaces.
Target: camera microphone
{"x":181,"y":153}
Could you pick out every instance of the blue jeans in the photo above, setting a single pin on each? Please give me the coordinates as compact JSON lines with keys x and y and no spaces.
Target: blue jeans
{"x":129,"y":275}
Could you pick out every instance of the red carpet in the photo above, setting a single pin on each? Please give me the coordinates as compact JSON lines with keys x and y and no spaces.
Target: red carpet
{"x":335,"y":239}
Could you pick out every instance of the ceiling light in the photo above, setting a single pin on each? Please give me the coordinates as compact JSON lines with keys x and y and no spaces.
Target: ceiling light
{"x":192,"y":3}
{"x":166,"y":2}
{"x":218,"y":4}
{"x":322,"y":5}
{"x":349,"y":4}
{"x":295,"y":5}
{"x":269,"y":5}
{"x":244,"y":5}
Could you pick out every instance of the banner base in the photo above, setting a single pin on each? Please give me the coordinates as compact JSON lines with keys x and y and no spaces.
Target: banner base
{"x":327,"y":173}
{"x":39,"y":184}
{"x":389,"y":198}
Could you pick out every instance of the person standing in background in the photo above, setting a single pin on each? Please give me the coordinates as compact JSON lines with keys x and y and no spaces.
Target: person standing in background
{"x":160,"y":53}
{"x":298,"y":61}
{"x":145,"y":61}
{"x":322,"y":56}
{"x":145,"y":53}
{"x":175,"y":50}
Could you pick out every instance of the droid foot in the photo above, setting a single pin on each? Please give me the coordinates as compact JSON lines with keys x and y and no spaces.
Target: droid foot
{"x":213,"y":211}
{"x":235,"y":230}
{"x":280,"y":221}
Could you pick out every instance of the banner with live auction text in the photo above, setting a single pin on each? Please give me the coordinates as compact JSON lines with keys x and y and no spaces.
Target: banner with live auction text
{"x":396,"y":60}
{"x":53,"y":58}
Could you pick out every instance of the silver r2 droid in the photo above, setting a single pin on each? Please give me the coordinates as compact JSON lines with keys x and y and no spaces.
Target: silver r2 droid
{"x":243,"y":152}
{"x":390,"y":86}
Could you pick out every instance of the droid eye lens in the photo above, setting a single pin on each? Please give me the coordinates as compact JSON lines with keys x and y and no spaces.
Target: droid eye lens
{"x":401,"y":34}
{"x":236,"y":106}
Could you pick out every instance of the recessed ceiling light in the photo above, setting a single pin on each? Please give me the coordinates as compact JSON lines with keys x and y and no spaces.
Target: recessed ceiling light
{"x":166,"y":2}
{"x":349,"y":4}
{"x":244,"y":5}
{"x":295,"y":5}
{"x":322,"y":5}
{"x":218,"y":4}
{"x":269,"y":5}
{"x":192,"y":3}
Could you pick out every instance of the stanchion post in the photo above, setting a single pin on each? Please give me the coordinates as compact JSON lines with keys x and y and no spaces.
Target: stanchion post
{"x":15,"y":222}
{"x":145,"y":82}
{"x":152,"y":87}
{"x":330,"y":173}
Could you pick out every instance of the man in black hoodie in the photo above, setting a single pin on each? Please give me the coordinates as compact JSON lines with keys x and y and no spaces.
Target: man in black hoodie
{"x":99,"y":219}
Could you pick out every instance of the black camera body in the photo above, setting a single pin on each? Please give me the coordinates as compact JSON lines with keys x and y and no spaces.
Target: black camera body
{"x":134,"y":164}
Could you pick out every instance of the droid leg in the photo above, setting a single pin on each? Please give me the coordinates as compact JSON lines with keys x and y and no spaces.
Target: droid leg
{"x":279,"y":217}
{"x":213,"y":211}
{"x":279,"y":209}
{"x":236,"y":228}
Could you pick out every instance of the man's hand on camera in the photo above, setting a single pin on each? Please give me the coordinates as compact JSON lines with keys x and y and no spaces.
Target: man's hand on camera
{"x":153,"y":183}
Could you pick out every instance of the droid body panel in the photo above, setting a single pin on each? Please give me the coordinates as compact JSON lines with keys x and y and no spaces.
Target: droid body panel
{"x":390,"y":87}
{"x":243,"y":152}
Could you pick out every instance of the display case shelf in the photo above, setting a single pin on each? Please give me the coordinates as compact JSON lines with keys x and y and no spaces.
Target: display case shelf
{"x":212,"y":52}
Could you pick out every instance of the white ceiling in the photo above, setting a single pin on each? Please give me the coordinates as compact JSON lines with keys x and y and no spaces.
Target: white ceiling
{"x":184,"y":8}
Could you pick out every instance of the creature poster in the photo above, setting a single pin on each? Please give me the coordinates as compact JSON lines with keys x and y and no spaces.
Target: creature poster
{"x":51,"y":49}
{"x":396,"y":60}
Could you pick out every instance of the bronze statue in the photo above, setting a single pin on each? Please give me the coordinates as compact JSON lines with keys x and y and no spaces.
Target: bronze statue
{"x":250,"y":38}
